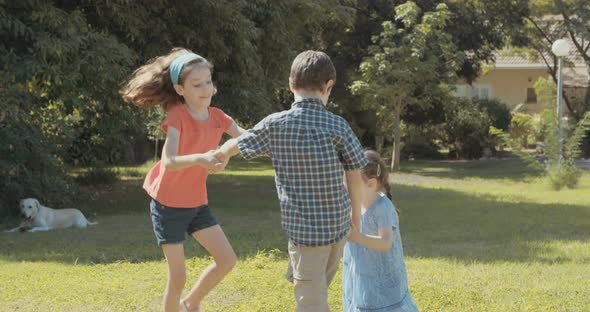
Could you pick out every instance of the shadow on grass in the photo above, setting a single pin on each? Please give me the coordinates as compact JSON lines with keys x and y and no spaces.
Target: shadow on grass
{"x":464,"y":227}
{"x":434,"y":224}
{"x":246,"y":207}
{"x":512,"y":169}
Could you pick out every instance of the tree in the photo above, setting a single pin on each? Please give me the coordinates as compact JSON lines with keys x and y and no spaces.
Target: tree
{"x":154,"y":128}
{"x":54,"y":69}
{"x":550,"y":20}
{"x":560,"y":166}
{"x":250,"y":43}
{"x":411,"y":60}
{"x":476,"y":26}
{"x":481,"y":27}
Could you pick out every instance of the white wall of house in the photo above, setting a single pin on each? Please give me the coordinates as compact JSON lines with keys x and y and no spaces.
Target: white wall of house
{"x":511,"y":85}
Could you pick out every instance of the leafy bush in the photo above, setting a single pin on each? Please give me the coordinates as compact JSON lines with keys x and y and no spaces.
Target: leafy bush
{"x":538,"y":127}
{"x":466,"y":128}
{"x":54,"y":69}
{"x":560,"y":165}
{"x":418,"y":142}
{"x":28,"y":166}
{"x":498,"y":138}
{"x":97,"y":175}
{"x":420,"y":151}
{"x":498,"y":112}
{"x":521,"y":128}
{"x":566,"y":175}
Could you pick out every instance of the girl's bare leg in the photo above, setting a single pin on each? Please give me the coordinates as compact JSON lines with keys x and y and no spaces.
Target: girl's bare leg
{"x":176,"y":276}
{"x":214,"y":241}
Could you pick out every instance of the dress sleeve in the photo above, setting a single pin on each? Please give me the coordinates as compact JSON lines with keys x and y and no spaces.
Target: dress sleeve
{"x":173,"y":119}
{"x":225,"y":120}
{"x":386,"y":215}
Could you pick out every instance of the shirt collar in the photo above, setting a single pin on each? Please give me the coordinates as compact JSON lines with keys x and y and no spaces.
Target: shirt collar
{"x":313,"y":103}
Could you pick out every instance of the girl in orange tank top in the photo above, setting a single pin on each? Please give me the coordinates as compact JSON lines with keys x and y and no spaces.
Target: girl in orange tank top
{"x":181,"y":83}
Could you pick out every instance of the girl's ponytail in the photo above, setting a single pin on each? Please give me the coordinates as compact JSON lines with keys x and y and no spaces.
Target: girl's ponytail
{"x":387,"y":189}
{"x":376,"y":168}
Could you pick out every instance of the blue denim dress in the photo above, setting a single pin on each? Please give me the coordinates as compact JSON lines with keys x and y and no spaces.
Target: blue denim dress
{"x":374,"y":280}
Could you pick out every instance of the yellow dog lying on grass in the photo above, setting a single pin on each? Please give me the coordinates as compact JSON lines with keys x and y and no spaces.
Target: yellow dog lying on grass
{"x":37,"y":217}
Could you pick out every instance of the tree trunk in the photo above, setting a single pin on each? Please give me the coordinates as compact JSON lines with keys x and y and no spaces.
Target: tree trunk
{"x":396,"y":136}
{"x":156,"y":150}
{"x":379,"y":139}
{"x":586,"y":105}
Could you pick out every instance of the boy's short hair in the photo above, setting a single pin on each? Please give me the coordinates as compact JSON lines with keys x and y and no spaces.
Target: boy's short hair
{"x":311,"y":70}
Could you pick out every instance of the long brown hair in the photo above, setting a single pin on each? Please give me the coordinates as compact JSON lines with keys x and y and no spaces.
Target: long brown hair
{"x":151,"y":85}
{"x":376,"y":168}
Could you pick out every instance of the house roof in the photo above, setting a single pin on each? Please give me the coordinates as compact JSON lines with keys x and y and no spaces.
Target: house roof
{"x":575,"y":72}
{"x":527,"y":59}
{"x":516,"y":62}
{"x":506,"y":58}
{"x":575,"y":75}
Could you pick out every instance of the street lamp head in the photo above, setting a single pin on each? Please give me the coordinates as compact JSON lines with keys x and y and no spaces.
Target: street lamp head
{"x":560,"y":47}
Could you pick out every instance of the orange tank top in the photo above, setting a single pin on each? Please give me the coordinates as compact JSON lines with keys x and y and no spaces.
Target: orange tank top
{"x":187,"y":188}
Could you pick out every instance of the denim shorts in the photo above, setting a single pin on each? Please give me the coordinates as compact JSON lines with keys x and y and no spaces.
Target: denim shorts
{"x":170,"y":224}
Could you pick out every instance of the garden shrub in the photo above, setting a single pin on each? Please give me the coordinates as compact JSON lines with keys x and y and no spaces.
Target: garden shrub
{"x":466,"y":128}
{"x":419,"y":143}
{"x":498,"y":112}
{"x":521,"y":128}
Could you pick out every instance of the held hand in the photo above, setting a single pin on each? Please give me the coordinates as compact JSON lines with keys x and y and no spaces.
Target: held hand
{"x":354,"y":235}
{"x":221,"y":156}
{"x":222,"y":161}
{"x":211,"y":162}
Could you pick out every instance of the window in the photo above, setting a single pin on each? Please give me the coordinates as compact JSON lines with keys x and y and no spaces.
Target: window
{"x":484,"y":93}
{"x":474,"y":93}
{"x":461,"y":90}
{"x":477,"y":91}
{"x":531,"y":96}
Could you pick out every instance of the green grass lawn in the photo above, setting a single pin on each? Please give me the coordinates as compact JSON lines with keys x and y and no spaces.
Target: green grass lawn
{"x":478,"y":236}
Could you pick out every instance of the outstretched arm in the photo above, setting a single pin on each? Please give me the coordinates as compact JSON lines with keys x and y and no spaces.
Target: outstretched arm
{"x":228,"y":149}
{"x":172,"y":161}
{"x":235,"y":131}
{"x":354,"y":181}
{"x":253,"y":142}
{"x":381,"y":242}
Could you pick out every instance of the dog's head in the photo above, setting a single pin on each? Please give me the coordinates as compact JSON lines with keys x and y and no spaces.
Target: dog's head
{"x":29,"y":208}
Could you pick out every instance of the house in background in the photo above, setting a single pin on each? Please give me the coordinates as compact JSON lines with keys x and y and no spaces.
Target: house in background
{"x":512,"y":78}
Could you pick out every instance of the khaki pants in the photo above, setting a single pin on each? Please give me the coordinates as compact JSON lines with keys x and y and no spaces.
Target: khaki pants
{"x":311,"y":270}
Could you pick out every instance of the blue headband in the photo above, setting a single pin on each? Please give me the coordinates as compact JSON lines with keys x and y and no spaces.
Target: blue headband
{"x":178,"y":63}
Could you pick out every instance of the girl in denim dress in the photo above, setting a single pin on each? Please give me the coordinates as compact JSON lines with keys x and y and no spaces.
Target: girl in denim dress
{"x":374,"y":273}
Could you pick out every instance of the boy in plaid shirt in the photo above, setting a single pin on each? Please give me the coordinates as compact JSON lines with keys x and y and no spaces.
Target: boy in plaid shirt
{"x":311,"y":148}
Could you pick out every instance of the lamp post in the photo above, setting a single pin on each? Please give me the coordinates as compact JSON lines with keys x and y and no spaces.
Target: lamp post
{"x":560,"y":48}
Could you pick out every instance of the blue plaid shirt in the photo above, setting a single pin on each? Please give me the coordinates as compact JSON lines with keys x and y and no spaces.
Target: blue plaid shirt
{"x":310,"y":148}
